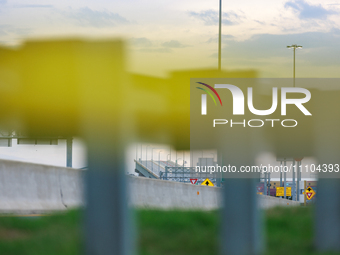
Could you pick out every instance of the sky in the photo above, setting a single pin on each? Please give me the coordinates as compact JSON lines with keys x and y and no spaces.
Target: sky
{"x":182,"y":34}
{"x":162,"y":36}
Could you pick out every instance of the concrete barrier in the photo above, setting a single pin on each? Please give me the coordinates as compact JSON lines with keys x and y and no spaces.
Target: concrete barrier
{"x":30,"y":188}
{"x":266,"y":202}
{"x":26,"y":187}
{"x":152,"y":193}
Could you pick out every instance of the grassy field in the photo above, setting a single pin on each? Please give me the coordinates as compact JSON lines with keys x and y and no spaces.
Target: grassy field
{"x":289,"y":231}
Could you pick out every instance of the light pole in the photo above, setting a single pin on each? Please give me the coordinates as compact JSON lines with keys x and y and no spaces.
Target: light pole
{"x":152,"y":159}
{"x":146,"y":155}
{"x":294,"y":47}
{"x":176,"y":163}
{"x":167,"y":158}
{"x":183,"y":159}
{"x":219,"y":36}
{"x":136,"y":152}
{"x":159,"y":160}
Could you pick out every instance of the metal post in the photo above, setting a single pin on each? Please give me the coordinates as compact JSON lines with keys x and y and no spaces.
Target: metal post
{"x":293,"y":186}
{"x":304,"y":194}
{"x":280,"y":173}
{"x":298,"y":181}
{"x":265,"y":184}
{"x":294,"y":69}
{"x":183,"y":158}
{"x":152,"y":159}
{"x":146,"y":155}
{"x":109,"y":227}
{"x":218,"y":178}
{"x":141,"y":152}
{"x":327,"y":213}
{"x":242,"y":222}
{"x":285,"y":179}
{"x":159,"y":161}
{"x":220,"y":36}
{"x":268,"y":184}
{"x":69,"y":152}
{"x":183,"y":167}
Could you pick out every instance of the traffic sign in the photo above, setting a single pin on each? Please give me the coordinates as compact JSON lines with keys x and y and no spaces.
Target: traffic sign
{"x":280,"y":192}
{"x":193,"y":181}
{"x":310,"y":193}
{"x":207,"y":182}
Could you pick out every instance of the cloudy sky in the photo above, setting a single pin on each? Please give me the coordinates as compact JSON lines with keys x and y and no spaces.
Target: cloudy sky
{"x":182,"y":34}
{"x":179,"y":34}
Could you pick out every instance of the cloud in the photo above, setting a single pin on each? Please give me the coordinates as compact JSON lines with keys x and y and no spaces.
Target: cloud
{"x":308,"y":11}
{"x":157,"y":50}
{"x":224,"y":37}
{"x":211,"y":17}
{"x":87,"y":17}
{"x":8,"y":29}
{"x":174,"y":44}
{"x":33,"y":6}
{"x":319,"y":49}
{"x":141,"y":42}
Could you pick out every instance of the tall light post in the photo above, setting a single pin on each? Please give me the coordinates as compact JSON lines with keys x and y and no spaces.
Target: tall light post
{"x":294,"y":47}
{"x":146,"y":155}
{"x":219,"y":36}
{"x":136,"y":151}
{"x":152,"y":159}
{"x":159,"y":160}
{"x":183,"y":159}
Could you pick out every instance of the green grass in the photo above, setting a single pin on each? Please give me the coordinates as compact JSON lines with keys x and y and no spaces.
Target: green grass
{"x":289,"y":231}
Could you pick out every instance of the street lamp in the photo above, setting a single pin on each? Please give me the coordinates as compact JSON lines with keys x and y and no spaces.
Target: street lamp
{"x":294,"y":47}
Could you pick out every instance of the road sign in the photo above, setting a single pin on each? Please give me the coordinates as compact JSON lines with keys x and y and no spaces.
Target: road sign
{"x":207,"y":182}
{"x":310,"y":193}
{"x":280,"y":192}
{"x":193,"y":181}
